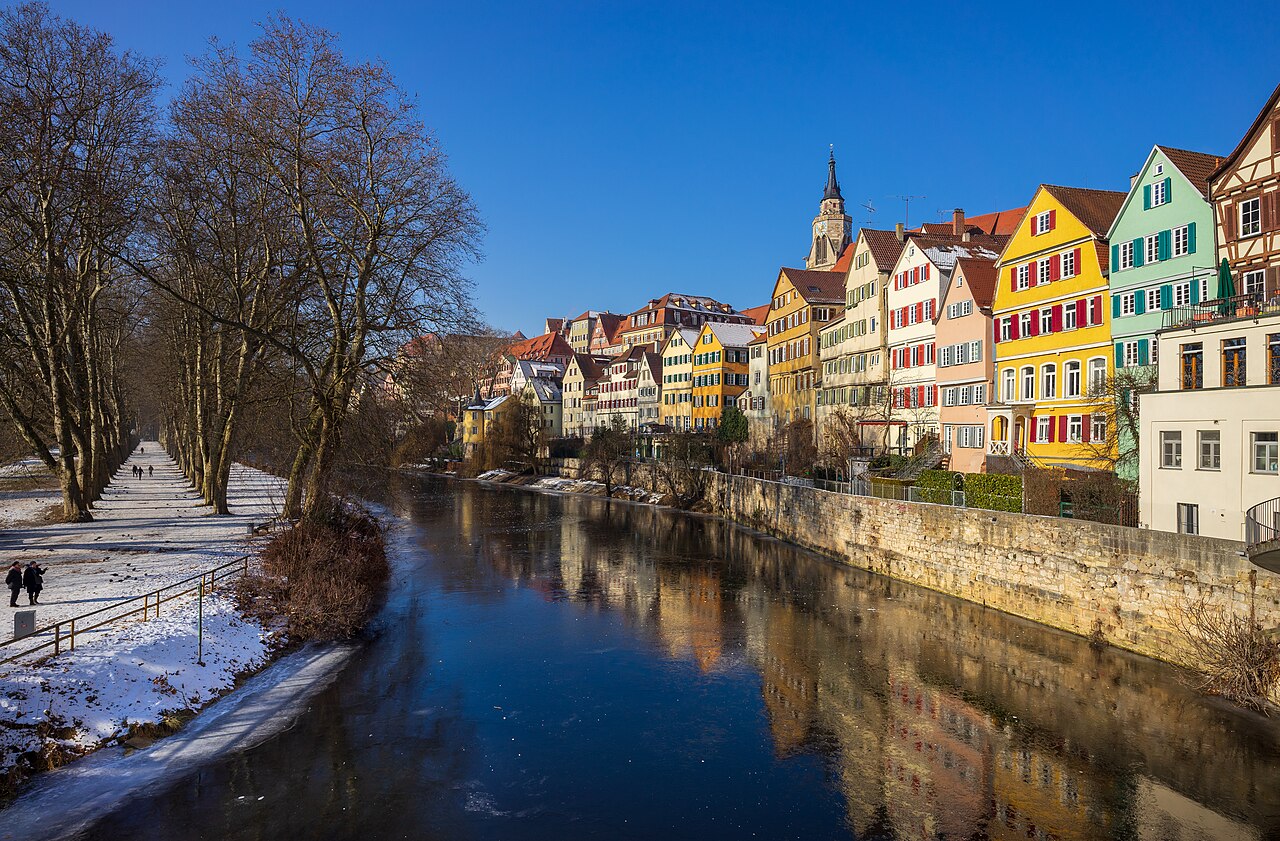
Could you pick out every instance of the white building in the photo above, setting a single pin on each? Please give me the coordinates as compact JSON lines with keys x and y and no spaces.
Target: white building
{"x":1210,"y":436}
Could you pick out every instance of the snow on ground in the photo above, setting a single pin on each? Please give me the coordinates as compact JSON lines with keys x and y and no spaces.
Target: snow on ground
{"x":146,"y":533}
{"x":28,"y":492}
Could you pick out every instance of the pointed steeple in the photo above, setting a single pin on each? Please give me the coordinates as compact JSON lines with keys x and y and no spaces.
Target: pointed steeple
{"x":833,"y":186}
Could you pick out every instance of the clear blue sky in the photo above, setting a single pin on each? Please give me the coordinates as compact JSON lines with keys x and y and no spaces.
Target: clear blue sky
{"x":622,"y":149}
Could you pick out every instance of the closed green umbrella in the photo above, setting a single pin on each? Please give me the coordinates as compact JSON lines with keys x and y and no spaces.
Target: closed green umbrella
{"x":1226,"y":288}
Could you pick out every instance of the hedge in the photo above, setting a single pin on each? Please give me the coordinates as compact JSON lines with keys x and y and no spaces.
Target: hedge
{"x":993,"y":491}
{"x":936,"y":486}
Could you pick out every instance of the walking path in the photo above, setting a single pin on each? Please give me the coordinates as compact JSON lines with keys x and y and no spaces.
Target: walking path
{"x":146,"y":533}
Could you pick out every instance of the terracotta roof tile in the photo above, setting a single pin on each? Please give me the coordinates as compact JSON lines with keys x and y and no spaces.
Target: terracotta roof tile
{"x":541,"y":347}
{"x":981,"y":277}
{"x":1197,"y":166}
{"x":817,"y":286}
{"x":846,"y":259}
{"x":758,"y":315}
{"x":884,"y":247}
{"x":1096,"y":209}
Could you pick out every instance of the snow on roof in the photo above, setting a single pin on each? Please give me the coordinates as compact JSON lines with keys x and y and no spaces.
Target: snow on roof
{"x":733,"y":335}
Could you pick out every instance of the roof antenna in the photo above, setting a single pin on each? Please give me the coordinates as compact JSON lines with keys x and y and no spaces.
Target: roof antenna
{"x":871,"y":211}
{"x":906,"y":213}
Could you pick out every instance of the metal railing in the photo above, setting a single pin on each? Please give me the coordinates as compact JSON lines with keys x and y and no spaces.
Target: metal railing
{"x":1250,"y":305}
{"x":62,"y":634}
{"x":1262,"y":523}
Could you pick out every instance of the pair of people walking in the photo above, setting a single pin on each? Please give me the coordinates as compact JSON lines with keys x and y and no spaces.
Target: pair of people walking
{"x":138,"y":472}
{"x":32,"y":578}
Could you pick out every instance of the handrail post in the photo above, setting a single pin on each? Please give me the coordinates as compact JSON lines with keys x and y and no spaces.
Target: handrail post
{"x":57,"y":638}
{"x":73,"y":635}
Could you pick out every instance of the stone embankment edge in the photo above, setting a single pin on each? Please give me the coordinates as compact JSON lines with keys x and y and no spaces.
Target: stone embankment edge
{"x":1126,"y":587}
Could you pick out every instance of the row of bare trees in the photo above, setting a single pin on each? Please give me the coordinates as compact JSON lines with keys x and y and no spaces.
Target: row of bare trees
{"x":271,"y":242}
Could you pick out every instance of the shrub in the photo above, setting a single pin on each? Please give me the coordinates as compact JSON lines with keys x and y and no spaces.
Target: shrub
{"x":936,"y":486}
{"x":1235,"y":656}
{"x":324,"y":576}
{"x":993,"y":491}
{"x":888,"y":462}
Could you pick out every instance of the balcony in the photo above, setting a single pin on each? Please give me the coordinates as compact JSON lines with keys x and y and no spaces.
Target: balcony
{"x":1262,"y":534}
{"x":1235,"y":308}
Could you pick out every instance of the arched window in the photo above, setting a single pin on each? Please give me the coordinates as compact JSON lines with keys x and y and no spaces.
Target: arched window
{"x":1048,"y":381}
{"x":1071,"y":379}
{"x":1010,"y":385}
{"x":1028,"y":383}
{"x":1097,"y":375}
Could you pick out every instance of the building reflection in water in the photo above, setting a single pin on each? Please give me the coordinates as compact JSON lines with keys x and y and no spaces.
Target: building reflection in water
{"x":935,"y":717}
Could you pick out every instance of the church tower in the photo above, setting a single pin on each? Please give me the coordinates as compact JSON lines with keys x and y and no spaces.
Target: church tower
{"x":832,"y":229}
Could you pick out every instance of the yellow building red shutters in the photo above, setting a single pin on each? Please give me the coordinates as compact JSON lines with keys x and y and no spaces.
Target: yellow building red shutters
{"x":1055,"y":267}
{"x":1062,"y":427}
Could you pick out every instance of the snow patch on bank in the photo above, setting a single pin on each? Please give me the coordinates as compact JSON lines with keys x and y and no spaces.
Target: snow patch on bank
{"x":578,"y":486}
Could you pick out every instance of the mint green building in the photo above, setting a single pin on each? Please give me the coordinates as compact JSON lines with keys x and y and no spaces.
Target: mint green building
{"x":1162,"y":255}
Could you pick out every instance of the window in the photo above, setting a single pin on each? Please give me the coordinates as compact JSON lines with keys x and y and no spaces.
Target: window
{"x":1068,"y":265}
{"x":1250,"y":217}
{"x":1252,"y":283}
{"x":1025,"y":326}
{"x":1071,"y":377}
{"x":1098,"y":428}
{"x":1171,"y":450}
{"x":1273,"y":359}
{"x":1044,"y":428}
{"x":1069,"y":316}
{"x":1181,"y":241}
{"x":1028,"y":383}
{"x":1126,"y":255}
{"x":1131,"y":354}
{"x":1129,"y":303}
{"x":1075,"y":428}
{"x":1182,"y":294}
{"x":1042,"y":222}
{"x":1233,"y":363}
{"x":1153,"y":300}
{"x":1046,"y":320}
{"x":1048,"y":381}
{"x":1009,"y":386}
{"x":1006,"y":329}
{"x":1042,"y":272}
{"x":1152,"y":248}
{"x":1024,"y":277}
{"x":1266,"y":452}
{"x":1188,"y":518}
{"x":1097,"y":375}
{"x":1210,"y":447}
{"x":1192,"y":366}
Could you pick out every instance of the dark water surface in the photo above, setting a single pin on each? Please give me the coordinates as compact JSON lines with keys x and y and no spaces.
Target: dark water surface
{"x":562,"y":668}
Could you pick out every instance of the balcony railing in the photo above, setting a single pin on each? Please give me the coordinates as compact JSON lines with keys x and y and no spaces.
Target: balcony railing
{"x":1251,"y":305}
{"x":1262,"y":534}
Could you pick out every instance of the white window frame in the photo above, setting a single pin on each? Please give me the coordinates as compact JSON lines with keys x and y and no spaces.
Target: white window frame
{"x":1043,"y":428}
{"x":1041,"y":222}
{"x":1129,"y":303}
{"x":1048,"y":381}
{"x":1070,"y":367}
{"x":1158,"y":194}
{"x":1130,"y":354}
{"x":1209,"y":450}
{"x":1043,"y":272}
{"x":1181,"y":245}
{"x":1028,"y":383}
{"x":1264,"y":452}
{"x":1070,"y":316}
{"x":1068,"y":266}
{"x":1182,"y":294}
{"x":1125,"y":255}
{"x":1153,"y":300}
{"x":1151,"y":247}
{"x":1010,"y":385}
{"x":1024,"y":277}
{"x":1253,"y":283}
{"x":1250,"y":214}
{"x":1075,"y":429}
{"x":1170,"y":450}
{"x":1097,"y":383}
{"x":1046,"y":321}
{"x":1098,"y":428}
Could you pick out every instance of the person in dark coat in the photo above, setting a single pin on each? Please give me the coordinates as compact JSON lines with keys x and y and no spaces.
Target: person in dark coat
{"x":151,"y":470}
{"x":14,"y":581}
{"x":33,"y":580}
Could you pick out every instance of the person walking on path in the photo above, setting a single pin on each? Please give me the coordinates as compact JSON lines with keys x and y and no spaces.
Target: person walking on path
{"x":151,"y":470}
{"x":33,"y":579}
{"x":14,"y":580}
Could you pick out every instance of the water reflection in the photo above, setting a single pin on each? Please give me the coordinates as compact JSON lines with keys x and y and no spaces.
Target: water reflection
{"x":562,"y":667}
{"x":938,"y":718}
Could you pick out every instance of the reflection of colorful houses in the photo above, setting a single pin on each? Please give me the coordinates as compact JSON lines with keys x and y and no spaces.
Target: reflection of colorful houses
{"x":689,"y":615}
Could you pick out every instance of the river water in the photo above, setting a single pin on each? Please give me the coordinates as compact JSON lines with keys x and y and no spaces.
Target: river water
{"x":553,"y":667}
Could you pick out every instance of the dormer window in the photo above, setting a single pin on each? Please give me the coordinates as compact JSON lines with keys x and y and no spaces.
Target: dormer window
{"x":1042,"y":223}
{"x":1159,"y":169}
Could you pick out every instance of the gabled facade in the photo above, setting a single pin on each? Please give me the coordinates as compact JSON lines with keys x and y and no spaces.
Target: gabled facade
{"x":618,"y":391}
{"x":606,"y":336}
{"x":1052,"y":329}
{"x":965,"y":363}
{"x":677,"y":379}
{"x":649,"y":392}
{"x":478,"y":418}
{"x":1245,"y":191}
{"x":720,"y":370}
{"x":754,"y":401}
{"x":578,"y":331}
{"x":803,"y":302}
{"x":545,"y":397}
{"x":651,"y":324}
{"x":581,"y":375}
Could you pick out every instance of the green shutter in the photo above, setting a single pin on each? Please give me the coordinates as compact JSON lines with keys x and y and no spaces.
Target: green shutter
{"x":1191,"y":237}
{"x":1166,"y":297}
{"x":1139,"y":302}
{"x":1119,"y":354}
{"x":1142,"y":351}
{"x":1162,"y":244}
{"x":1146,"y":197}
{"x":1139,"y":257}
{"x":1115,"y":258}
{"x":1115,"y":305}
{"x":1195,"y":290}
{"x":1168,"y":189}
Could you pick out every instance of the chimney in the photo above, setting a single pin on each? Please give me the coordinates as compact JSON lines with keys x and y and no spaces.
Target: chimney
{"x":1133,"y":179}
{"x":901,"y":231}
{"x":957,"y":221}
{"x":966,"y":237}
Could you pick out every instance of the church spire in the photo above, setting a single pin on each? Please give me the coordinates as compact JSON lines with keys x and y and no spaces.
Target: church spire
{"x":833,"y":186}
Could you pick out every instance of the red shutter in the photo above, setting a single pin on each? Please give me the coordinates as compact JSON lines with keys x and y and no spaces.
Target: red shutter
{"x":995,"y":331}
{"x":920,"y":311}
{"x":1031,"y":433}
{"x":1082,"y":313}
{"x":926,"y":271}
{"x":1035,"y":323}
{"x":1062,"y":428}
{"x":1013,"y":327}
{"x":920,"y":395}
{"x":1084,"y":428}
{"x":1013,"y":278}
{"x":1031,"y":274}
{"x":1079,"y":267}
{"x":1053,"y":427}
{"x":1053,"y":219}
{"x":1055,"y":267}
{"x":1055,"y":320}
{"x":1095,"y":316}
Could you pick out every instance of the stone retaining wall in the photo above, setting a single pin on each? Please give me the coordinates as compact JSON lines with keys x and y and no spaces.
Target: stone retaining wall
{"x":1128,"y":585}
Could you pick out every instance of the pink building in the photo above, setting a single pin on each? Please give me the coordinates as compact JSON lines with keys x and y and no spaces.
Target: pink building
{"x":965,"y":353}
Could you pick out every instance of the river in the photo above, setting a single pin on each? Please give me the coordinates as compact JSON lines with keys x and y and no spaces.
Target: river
{"x":558,"y":667}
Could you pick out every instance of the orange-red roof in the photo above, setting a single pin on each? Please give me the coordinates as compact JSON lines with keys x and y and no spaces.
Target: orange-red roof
{"x":541,"y":347}
{"x":846,"y":259}
{"x":758,"y":315}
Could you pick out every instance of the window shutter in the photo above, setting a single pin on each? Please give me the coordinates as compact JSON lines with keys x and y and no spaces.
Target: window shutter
{"x":1013,"y":327}
{"x":1031,"y":433}
{"x":1119,"y":354}
{"x":1115,"y":306}
{"x":1191,"y":237}
{"x":1139,"y":302}
{"x":1053,"y":219}
{"x":1035,"y":323}
{"x":1056,"y":319}
{"x":995,"y":331}
{"x":1162,"y":245}
{"x":1146,"y":197}
{"x":1168,"y":189}
{"x":1062,"y":428}
{"x":1143,"y":345}
{"x":1139,"y":256}
{"x":1085,"y":431}
{"x":1053,"y":427}
{"x":1195,"y":291}
{"x":1013,"y":278}
{"x":1166,"y":297}
{"x":1033,"y":275}
{"x":1082,"y":312}
{"x":1078,"y":265}
{"x":926,"y":271}
{"x":1228,"y":217}
{"x":1115,"y":257}
{"x":1055,"y":267}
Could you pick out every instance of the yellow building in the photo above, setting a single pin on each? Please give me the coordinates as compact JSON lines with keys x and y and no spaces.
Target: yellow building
{"x":720,"y":370}
{"x":803,"y":301}
{"x":1051,"y":315}
{"x":677,"y":378}
{"x":478,"y":417}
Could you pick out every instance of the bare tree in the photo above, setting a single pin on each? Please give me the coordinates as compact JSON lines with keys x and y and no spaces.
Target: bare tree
{"x":608,"y":453}
{"x":681,"y":467}
{"x":1116,"y":399}
{"x":76,"y":119}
